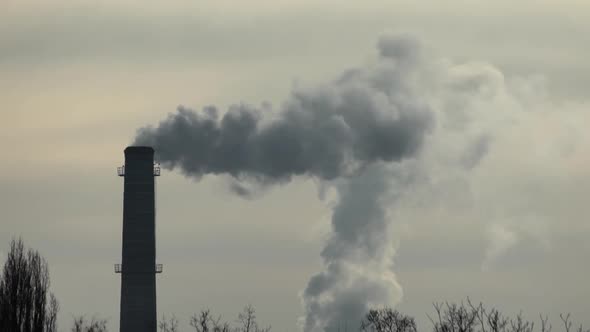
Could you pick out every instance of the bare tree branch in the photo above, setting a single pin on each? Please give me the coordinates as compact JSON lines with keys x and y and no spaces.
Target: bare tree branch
{"x":168,"y":325}
{"x":80,"y":324}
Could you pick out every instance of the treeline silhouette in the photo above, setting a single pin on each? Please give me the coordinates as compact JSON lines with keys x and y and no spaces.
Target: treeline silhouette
{"x":27,"y":305}
{"x":205,"y":321}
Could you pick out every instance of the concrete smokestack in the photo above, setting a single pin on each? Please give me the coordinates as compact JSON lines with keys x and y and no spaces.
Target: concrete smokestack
{"x":138,"y":268}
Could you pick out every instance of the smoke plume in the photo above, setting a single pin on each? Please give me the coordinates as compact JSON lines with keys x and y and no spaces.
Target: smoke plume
{"x":358,"y":256}
{"x":329,"y":131}
{"x":346,"y":133}
{"x":371,"y":135}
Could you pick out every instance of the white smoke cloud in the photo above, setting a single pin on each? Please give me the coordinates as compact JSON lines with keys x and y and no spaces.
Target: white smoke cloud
{"x":503,"y":157}
{"x":358,"y":255}
{"x":500,"y":149}
{"x":406,"y":133}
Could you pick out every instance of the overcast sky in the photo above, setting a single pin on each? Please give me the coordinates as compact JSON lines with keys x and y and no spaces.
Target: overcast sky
{"x":496,"y":209}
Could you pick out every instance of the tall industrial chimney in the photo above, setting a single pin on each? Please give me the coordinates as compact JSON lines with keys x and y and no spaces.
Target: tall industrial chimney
{"x":138,"y":267}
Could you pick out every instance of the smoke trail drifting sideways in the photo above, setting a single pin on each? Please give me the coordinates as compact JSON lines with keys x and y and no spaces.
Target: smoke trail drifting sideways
{"x":370,"y":135}
{"x":366,"y":115}
{"x":348,"y":131}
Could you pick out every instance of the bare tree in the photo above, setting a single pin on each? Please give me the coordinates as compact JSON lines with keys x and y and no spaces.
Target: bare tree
{"x":24,"y":290}
{"x":567,"y":323}
{"x":51,"y":314}
{"x":168,"y":325}
{"x":519,"y":324}
{"x":204,"y":322}
{"x":247,"y":321}
{"x":489,"y":320}
{"x":451,"y":317}
{"x":476,"y":318}
{"x":545,"y":326}
{"x":81,"y":324}
{"x":387,"y":320}
{"x":462,"y":318}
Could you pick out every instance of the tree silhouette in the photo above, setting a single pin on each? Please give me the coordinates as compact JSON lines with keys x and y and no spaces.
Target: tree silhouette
{"x":387,"y":320}
{"x":168,"y":325}
{"x":205,"y":322}
{"x":247,"y":321}
{"x":25,"y":302}
{"x":81,"y":324}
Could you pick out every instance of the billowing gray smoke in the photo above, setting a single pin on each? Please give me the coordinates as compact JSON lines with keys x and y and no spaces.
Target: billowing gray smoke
{"x":357,"y":259}
{"x":346,"y":133}
{"x":327,"y":132}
